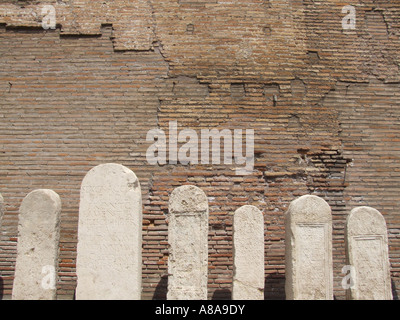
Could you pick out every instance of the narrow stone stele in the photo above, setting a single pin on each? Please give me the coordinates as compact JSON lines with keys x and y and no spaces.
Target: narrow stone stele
{"x":188,"y":244}
{"x":37,"y":249}
{"x":308,"y":241}
{"x":248,"y":254}
{"x":367,"y":252}
{"x":109,"y":250}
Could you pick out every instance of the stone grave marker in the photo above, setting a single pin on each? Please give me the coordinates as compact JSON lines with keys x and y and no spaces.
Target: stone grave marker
{"x":308,"y":242}
{"x":367,"y":252}
{"x":248,"y":254}
{"x":37,"y":248}
{"x":109,"y":251}
{"x":188,"y":244}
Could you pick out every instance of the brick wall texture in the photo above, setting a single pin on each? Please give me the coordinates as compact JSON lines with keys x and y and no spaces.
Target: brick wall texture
{"x":324,"y":103}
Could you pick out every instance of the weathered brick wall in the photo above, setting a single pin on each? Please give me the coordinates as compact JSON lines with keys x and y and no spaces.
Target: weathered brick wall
{"x":323,"y":103}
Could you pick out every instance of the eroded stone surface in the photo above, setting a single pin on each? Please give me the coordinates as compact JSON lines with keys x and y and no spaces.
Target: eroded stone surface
{"x":248,"y":254}
{"x":109,"y":256}
{"x":367,"y":252}
{"x":309,"y":273}
{"x":188,"y":244}
{"x":37,"y":249}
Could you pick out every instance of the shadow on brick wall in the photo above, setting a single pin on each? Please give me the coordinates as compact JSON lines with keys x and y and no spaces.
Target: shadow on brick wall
{"x":394,"y":291}
{"x":160,"y":293}
{"x":274,"y":287}
{"x":161,"y":290}
{"x":222,"y":294}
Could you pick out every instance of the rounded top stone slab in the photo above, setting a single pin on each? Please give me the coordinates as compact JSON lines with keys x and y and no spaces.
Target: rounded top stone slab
{"x":365,"y":220}
{"x":308,"y":209}
{"x":109,"y":255}
{"x":248,"y":216}
{"x":248,"y":210}
{"x":41,"y":202}
{"x":187,"y":199}
{"x":37,"y":247}
{"x":111,"y":172}
{"x":248,"y":254}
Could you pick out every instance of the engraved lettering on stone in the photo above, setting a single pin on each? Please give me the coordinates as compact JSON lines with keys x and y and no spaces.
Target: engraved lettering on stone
{"x":109,"y":257}
{"x":187,"y":237}
{"x":248,"y":250}
{"x":309,"y":271}
{"x":367,"y":252}
{"x":311,"y":255}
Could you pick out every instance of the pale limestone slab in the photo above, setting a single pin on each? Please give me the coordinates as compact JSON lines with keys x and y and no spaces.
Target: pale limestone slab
{"x":37,"y":249}
{"x":188,"y":244}
{"x":109,"y":251}
{"x":367,"y":252}
{"x":308,"y":242}
{"x":248,"y":254}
